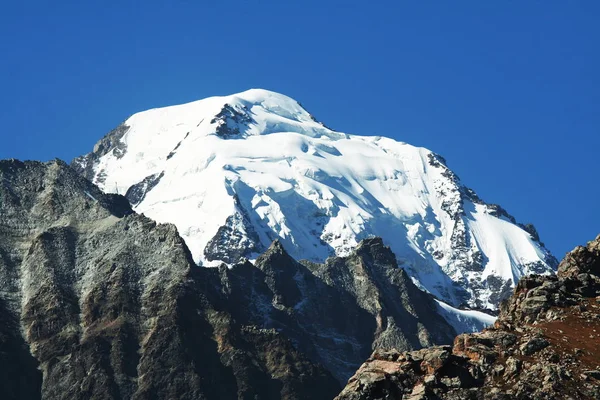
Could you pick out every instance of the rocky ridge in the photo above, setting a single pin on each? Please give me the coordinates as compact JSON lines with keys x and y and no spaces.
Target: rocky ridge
{"x":544,"y":345}
{"x":100,"y":302}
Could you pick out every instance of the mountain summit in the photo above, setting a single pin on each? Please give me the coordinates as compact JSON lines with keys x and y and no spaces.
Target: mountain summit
{"x":235,"y":173}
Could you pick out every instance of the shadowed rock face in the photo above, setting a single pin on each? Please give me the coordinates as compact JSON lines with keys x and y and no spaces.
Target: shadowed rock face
{"x":340,"y":311}
{"x":99,"y":302}
{"x":544,"y":345}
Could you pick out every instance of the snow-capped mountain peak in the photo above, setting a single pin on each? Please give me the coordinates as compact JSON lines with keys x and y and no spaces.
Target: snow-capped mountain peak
{"x":250,"y":113}
{"x":234,"y":173}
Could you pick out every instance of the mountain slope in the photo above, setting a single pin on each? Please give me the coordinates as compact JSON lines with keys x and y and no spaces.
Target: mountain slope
{"x":235,"y":173}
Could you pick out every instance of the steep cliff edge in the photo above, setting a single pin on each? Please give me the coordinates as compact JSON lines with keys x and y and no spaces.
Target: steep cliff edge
{"x":544,"y":345}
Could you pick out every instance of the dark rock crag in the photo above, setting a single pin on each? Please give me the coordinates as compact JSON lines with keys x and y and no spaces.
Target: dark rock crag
{"x":544,"y":345}
{"x":98,"y":302}
{"x":340,"y":311}
{"x":232,"y":122}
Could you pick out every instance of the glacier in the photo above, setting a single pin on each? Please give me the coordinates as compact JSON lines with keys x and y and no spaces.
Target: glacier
{"x":234,"y":173}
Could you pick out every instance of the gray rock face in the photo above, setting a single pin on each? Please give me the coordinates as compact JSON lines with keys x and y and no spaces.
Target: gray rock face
{"x":234,"y":240}
{"x":544,"y":345}
{"x":340,"y":311}
{"x":99,"y":302}
{"x":232,"y":121}
{"x":136,"y":193}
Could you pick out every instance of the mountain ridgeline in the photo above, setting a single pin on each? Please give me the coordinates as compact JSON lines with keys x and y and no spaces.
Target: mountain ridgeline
{"x":100,"y":302}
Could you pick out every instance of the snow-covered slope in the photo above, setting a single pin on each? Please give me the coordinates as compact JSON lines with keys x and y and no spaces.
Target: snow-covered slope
{"x":234,"y":173}
{"x":465,"y":320}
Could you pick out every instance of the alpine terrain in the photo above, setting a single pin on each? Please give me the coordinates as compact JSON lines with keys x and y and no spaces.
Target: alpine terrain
{"x":235,"y":173}
{"x":322,"y":250}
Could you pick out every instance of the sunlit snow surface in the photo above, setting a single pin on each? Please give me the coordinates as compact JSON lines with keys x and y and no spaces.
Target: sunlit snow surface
{"x":465,"y":320}
{"x":319,"y":191}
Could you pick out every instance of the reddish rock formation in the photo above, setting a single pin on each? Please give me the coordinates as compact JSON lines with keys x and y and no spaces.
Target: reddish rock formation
{"x":544,"y":345}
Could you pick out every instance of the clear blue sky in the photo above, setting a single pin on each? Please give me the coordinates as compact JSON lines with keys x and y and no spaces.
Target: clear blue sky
{"x":507,"y":91}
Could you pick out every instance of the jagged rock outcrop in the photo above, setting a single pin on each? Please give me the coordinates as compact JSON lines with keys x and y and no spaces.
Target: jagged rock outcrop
{"x":110,"y":143}
{"x":235,"y":240}
{"x":337,"y":312}
{"x":99,"y":302}
{"x":231,"y":121}
{"x":544,"y":345}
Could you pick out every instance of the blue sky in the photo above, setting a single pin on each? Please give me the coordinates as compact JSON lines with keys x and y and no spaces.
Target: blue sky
{"x":508,"y":92}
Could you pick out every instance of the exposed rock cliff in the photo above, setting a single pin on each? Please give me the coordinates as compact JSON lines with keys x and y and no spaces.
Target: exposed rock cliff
{"x":544,"y":345}
{"x":337,"y":312}
{"x":99,"y":302}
